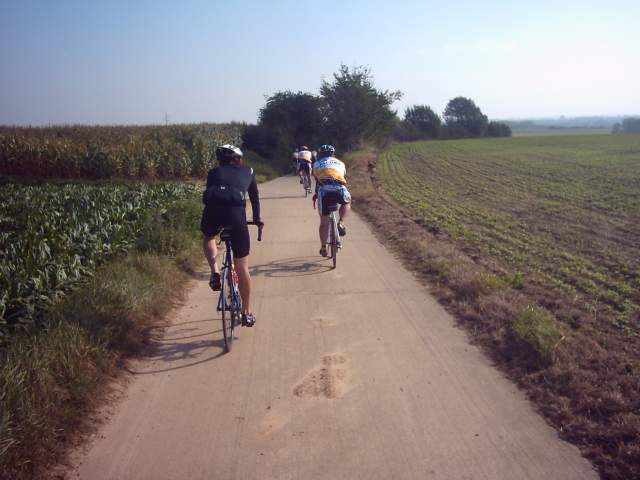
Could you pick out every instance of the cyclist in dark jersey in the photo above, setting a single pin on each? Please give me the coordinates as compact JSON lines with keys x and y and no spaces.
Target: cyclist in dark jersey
{"x":225,"y":207}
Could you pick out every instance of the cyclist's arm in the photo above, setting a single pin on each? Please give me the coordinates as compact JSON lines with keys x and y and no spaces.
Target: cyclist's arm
{"x":254,"y":197}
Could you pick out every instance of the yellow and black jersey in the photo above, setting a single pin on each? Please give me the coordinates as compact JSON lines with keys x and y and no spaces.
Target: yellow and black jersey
{"x":329,"y":168}
{"x":304,"y":156}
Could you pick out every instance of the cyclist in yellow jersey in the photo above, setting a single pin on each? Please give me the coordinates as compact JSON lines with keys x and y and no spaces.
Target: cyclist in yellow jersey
{"x":304,"y":162}
{"x":331,"y":190}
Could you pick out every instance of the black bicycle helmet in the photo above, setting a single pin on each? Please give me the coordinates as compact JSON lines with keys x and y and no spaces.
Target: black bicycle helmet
{"x":326,"y":151}
{"x":228,"y":153}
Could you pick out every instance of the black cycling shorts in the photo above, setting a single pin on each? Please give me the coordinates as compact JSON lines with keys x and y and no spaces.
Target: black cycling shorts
{"x":215,"y":219}
{"x":304,"y":166}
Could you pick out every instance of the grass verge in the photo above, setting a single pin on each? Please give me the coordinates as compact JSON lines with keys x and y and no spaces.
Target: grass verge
{"x":51,"y":377}
{"x":581,"y":373}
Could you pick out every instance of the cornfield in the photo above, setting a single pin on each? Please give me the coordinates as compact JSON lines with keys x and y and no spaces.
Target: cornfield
{"x":52,"y":235}
{"x":155,"y":152}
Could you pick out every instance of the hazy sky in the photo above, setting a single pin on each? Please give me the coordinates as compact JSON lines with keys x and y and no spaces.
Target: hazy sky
{"x":131,"y":61}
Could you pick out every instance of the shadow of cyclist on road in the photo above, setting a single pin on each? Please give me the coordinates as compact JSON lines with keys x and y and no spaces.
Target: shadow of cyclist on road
{"x":292,"y":267}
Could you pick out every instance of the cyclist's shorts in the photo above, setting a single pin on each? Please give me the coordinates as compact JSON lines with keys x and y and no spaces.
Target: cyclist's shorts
{"x":304,"y":167}
{"x":329,"y":196}
{"x":215,"y":219}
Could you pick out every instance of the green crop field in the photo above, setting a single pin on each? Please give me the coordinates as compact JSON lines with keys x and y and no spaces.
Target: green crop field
{"x":542,"y":131}
{"x":563,"y":209}
{"x":52,"y":235}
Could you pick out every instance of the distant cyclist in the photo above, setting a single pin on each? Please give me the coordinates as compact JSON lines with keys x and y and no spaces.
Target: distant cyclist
{"x":331,"y":190}
{"x":295,"y":161}
{"x":305,"y":158}
{"x":225,"y":207}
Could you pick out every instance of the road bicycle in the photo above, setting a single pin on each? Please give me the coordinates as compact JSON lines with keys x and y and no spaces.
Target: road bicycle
{"x":230,"y":301}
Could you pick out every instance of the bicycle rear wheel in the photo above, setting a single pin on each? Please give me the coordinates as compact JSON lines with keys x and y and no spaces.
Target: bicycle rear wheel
{"x":305,"y":183}
{"x":333,"y":239}
{"x":227,"y":318}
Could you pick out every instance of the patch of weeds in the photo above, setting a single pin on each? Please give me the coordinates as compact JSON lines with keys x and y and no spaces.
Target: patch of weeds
{"x":172,"y":230}
{"x":538,"y":329}
{"x":490,"y":281}
{"x":437,"y":267}
{"x":516,"y":280}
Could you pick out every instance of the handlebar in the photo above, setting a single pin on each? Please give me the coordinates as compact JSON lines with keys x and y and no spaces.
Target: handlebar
{"x":260,"y":226}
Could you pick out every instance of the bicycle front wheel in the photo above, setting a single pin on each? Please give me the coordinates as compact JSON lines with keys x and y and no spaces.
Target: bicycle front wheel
{"x":227,"y":317}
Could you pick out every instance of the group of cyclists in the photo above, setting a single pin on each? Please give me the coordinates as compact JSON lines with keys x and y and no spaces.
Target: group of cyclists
{"x":228,"y":185}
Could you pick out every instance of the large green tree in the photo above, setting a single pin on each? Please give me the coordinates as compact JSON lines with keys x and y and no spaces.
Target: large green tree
{"x":354,"y":110}
{"x":423,"y":120}
{"x":299,"y":113}
{"x":464,"y":118}
{"x":288,"y":119}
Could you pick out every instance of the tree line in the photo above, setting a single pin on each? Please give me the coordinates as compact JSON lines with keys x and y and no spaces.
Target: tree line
{"x":349,"y":111}
{"x":628,"y":125}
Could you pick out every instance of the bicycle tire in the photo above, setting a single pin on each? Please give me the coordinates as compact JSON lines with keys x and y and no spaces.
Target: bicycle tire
{"x":305,"y":184}
{"x":227,"y":318}
{"x":236,"y":303}
{"x":333,"y":240}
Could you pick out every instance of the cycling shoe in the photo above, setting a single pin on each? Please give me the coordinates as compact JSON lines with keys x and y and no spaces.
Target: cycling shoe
{"x":248,"y":320}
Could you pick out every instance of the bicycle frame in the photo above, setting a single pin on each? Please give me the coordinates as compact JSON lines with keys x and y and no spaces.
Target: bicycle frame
{"x":228,"y":269}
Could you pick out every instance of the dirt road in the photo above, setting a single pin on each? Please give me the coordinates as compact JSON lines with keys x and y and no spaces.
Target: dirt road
{"x":352,"y":373}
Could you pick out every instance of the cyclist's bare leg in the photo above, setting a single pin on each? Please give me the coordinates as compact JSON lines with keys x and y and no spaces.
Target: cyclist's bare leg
{"x":210,"y":252}
{"x":244,"y":281}
{"x":344,"y":210}
{"x":323,"y":229}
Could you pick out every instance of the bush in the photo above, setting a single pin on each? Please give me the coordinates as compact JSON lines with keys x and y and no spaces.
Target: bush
{"x":263,"y":169}
{"x":498,"y":129}
{"x":537,"y":329}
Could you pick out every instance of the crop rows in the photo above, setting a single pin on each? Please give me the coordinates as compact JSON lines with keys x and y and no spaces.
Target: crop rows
{"x":52,"y":235}
{"x":171,"y":152}
{"x":565,"y":209}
